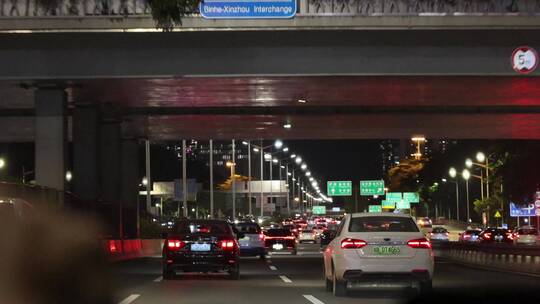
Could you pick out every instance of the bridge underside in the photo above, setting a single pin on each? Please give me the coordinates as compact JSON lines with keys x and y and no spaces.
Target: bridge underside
{"x":352,"y":107}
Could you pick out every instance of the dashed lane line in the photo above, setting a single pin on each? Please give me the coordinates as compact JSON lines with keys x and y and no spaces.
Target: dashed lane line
{"x":285,"y":279}
{"x":312,"y":299}
{"x":272,"y":267}
{"x":129,"y":299}
{"x":158,"y":279}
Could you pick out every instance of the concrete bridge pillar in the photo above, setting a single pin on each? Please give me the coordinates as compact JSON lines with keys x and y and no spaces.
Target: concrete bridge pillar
{"x":50,"y":137}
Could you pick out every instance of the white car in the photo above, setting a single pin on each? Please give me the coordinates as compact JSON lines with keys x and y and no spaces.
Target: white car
{"x":378,"y":250}
{"x":526,"y":236}
{"x":307,"y":235}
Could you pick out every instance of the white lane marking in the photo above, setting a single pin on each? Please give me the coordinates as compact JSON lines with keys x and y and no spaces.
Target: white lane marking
{"x":158,"y":279}
{"x":130,"y":299}
{"x":268,"y":261}
{"x":285,"y":279}
{"x":272,"y":267}
{"x":312,"y":299}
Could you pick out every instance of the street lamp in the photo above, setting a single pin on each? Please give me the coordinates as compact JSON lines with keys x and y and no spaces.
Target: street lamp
{"x":69,"y":176}
{"x":278,"y":144}
{"x":468,"y":163}
{"x":145,"y":181}
{"x":298,"y":160}
{"x":480,"y":157}
{"x":466,"y":176}
{"x":453,"y":173}
{"x":2,"y":163}
{"x":303,"y":166}
{"x":308,"y":174}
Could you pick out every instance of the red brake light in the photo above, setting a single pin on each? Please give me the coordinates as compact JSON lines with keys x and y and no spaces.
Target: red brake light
{"x":175,"y":244}
{"x":509,"y":235}
{"x":419,"y":243}
{"x":487,"y":236}
{"x":290,"y":237}
{"x":353,"y":243}
{"x":261,"y":236}
{"x":227,"y":245}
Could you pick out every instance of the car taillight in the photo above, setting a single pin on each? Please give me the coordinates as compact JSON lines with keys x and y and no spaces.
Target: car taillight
{"x":227,"y":245}
{"x":261,"y":236}
{"x":175,"y":244}
{"x":487,"y":236}
{"x":509,"y":235}
{"x":290,"y":237}
{"x":466,"y":236}
{"x":419,"y":243}
{"x":353,"y":243}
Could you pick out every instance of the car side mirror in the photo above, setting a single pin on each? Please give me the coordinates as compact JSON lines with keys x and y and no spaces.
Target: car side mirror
{"x":240,"y":235}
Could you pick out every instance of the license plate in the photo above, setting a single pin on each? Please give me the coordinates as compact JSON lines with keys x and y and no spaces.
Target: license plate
{"x":200,"y":247}
{"x":277,"y":246}
{"x":386,"y":250}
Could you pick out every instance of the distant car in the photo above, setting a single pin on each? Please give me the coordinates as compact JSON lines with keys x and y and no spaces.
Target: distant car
{"x":438,"y":234}
{"x":307,"y":235}
{"x":526,"y":236}
{"x":496,"y":235}
{"x":280,"y":240}
{"x":470,"y":236}
{"x":318,"y":230}
{"x":292,"y":228}
{"x":201,"y":246}
{"x":378,"y":250}
{"x":252,"y":242}
{"x":326,"y":237}
{"x":425,"y":222}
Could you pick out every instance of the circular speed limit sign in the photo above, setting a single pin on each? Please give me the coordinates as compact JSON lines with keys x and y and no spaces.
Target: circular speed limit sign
{"x":524,"y":60}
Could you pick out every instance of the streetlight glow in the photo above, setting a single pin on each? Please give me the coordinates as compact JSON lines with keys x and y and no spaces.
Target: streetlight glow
{"x":311,"y":179}
{"x":286,"y":149}
{"x":2,"y":163}
{"x":145,"y":181}
{"x":480,"y":157}
{"x":255,"y":149}
{"x":293,"y":156}
{"x":229,"y":164}
{"x":466,"y":174}
{"x":452,"y":172}
{"x":275,"y":161}
{"x":308,"y":174}
{"x":267,"y":156}
{"x":245,"y":143}
{"x":278,"y":144}
{"x":69,"y":176}
{"x":303,"y":166}
{"x":298,"y":160}
{"x":287,"y":126}
{"x":468,"y":163}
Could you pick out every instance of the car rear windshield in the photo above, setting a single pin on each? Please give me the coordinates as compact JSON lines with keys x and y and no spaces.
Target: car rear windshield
{"x":439,"y":230}
{"x":248,"y":228}
{"x":278,"y":232}
{"x":473,"y":232}
{"x":382,"y":224}
{"x":205,"y":227}
{"x":527,"y":232}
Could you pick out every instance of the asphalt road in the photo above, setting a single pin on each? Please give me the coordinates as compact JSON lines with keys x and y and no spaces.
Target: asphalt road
{"x":298,"y":279}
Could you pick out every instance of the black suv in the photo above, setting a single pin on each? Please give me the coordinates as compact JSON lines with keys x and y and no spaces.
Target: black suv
{"x":201,"y":246}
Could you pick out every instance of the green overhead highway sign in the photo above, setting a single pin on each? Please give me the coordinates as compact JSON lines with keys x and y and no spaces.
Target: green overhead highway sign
{"x":411,"y":197}
{"x":372,"y":187}
{"x":403,"y":205}
{"x":375,"y":208}
{"x":319,"y":209}
{"x":394,"y":197}
{"x":388,"y":205}
{"x":339,"y":188}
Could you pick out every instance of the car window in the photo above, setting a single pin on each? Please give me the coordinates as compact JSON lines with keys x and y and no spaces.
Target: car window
{"x":527,"y":232}
{"x":205,"y":227}
{"x":382,"y":224}
{"x":439,"y":230}
{"x":248,"y":228}
{"x":278,"y":232}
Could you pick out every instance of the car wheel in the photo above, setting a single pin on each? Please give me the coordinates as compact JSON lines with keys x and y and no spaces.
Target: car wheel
{"x":168,"y":274}
{"x":234,"y":273}
{"x":338,"y":286}
{"x":426,"y":287}
{"x":262,"y":257}
{"x":329,"y":285}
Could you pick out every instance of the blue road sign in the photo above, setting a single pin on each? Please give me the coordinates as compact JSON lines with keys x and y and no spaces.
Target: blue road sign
{"x":516,"y":210}
{"x":247,"y":9}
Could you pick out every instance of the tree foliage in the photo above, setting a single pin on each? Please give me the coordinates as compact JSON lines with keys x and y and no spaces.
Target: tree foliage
{"x":403,"y":177}
{"x":169,"y":13}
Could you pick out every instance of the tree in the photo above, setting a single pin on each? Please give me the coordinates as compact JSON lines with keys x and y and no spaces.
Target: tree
{"x":488,"y":205}
{"x":404,"y":176}
{"x":169,"y":13}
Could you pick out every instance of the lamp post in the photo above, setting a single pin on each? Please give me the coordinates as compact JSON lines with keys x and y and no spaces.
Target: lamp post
{"x":466,"y":174}
{"x":469,"y":164}
{"x":278,"y":144}
{"x":452,"y":172}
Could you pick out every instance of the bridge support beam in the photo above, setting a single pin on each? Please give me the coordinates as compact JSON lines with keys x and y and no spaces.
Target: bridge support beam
{"x":85,"y":153}
{"x":50,"y":137}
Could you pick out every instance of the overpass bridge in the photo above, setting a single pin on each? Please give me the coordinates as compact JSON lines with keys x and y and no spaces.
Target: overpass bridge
{"x":99,"y":75}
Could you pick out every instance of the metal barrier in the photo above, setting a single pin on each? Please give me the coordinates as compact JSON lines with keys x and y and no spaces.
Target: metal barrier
{"x":493,"y":256}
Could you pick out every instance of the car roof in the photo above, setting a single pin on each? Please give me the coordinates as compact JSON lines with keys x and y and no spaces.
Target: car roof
{"x":366,"y":214}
